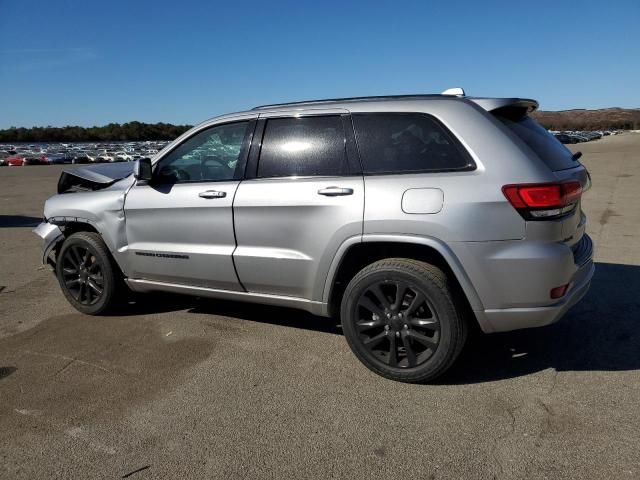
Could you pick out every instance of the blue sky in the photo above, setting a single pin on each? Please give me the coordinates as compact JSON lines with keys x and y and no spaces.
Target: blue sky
{"x":93,"y":62}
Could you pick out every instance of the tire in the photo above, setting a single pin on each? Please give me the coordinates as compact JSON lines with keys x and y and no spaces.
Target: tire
{"x":407,"y":339}
{"x":88,"y":276}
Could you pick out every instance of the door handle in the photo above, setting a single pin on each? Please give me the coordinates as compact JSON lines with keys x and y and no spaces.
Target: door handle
{"x":335,"y":191}
{"x":212,"y":194}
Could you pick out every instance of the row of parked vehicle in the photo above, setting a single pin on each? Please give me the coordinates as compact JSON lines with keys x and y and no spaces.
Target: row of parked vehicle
{"x":52,"y":154}
{"x":65,"y":153}
{"x":572,"y":136}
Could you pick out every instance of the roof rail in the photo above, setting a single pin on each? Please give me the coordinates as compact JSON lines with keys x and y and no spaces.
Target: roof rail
{"x":348,"y":99}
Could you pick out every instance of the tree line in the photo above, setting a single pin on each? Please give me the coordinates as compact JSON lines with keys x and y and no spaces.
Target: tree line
{"x":130,"y":131}
{"x":610,"y":119}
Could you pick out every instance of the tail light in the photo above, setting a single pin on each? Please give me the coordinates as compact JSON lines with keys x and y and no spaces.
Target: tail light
{"x":543,"y":201}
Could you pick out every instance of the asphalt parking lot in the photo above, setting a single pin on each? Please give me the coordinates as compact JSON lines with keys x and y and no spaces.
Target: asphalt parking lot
{"x":182,"y":387}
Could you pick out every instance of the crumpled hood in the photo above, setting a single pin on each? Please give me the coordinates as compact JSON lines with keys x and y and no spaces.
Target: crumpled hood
{"x":94,"y":177}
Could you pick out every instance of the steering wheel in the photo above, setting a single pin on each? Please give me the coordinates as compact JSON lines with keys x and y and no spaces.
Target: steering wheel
{"x":213,"y":159}
{"x":174,"y":174}
{"x":215,"y":167}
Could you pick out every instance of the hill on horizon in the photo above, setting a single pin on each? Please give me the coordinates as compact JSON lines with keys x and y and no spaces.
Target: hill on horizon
{"x":613,"y":118}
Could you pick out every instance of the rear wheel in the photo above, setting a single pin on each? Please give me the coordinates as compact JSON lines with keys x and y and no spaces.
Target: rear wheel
{"x":87,"y":274}
{"x":399,"y":318}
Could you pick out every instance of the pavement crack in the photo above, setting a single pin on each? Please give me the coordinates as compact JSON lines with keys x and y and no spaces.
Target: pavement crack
{"x":546,"y":408}
{"x":67,"y":365}
{"x":546,"y":423}
{"x":127,"y":475}
{"x":69,"y":359}
{"x":554,"y":382}
{"x":496,"y":443}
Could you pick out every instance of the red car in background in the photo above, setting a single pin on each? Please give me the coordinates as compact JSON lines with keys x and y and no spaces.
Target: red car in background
{"x":22,"y":160}
{"x":15,"y":161}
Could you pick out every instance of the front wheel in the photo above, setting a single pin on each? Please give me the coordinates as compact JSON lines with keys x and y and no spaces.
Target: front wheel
{"x":87,"y":274}
{"x":399,"y":318}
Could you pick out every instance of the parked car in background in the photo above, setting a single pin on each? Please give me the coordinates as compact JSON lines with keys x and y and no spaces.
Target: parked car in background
{"x":564,"y":138}
{"x":92,"y":156}
{"x":80,"y":157}
{"x":122,"y":156}
{"x":16,"y":160}
{"x":58,"y":158}
{"x":36,"y":160}
{"x":23,"y":160}
{"x":106,"y":157}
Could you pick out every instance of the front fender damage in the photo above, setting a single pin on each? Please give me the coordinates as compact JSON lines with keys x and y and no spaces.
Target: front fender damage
{"x":51,"y":235}
{"x":99,"y":210}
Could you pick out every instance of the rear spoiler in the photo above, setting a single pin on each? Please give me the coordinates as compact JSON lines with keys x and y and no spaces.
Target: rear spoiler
{"x":491,"y":104}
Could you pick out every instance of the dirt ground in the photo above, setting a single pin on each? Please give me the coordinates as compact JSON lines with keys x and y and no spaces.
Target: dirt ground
{"x":187,"y":388}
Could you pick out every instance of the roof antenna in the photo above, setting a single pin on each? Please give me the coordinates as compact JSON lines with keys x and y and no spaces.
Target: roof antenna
{"x":455,"y":91}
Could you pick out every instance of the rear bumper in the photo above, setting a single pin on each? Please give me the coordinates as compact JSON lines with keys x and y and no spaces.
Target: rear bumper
{"x":513,"y":280}
{"x":504,"y":320}
{"x":50,"y":235}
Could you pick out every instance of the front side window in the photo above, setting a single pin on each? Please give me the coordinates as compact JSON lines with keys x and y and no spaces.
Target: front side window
{"x":406,"y":142}
{"x":303,"y":146}
{"x":213,"y":154}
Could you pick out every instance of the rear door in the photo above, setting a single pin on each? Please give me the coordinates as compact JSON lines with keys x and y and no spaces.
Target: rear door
{"x":304,"y":197}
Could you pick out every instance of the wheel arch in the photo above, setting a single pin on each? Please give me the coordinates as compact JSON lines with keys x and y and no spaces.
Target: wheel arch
{"x":71,"y":225}
{"x":354,"y":256}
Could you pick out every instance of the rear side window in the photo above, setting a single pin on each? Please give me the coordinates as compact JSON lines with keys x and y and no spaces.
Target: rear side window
{"x":303,"y":146}
{"x":553,"y":153}
{"x":407,"y":142}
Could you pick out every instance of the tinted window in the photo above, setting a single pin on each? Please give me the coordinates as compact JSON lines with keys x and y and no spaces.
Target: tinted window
{"x":397,"y":142}
{"x":553,"y":153}
{"x":210,"y":155}
{"x":304,"y":146}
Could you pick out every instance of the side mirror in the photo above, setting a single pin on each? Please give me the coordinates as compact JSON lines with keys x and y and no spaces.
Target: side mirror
{"x":142,"y":171}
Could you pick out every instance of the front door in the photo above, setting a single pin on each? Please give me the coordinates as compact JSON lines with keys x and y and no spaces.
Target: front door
{"x":180,"y":226}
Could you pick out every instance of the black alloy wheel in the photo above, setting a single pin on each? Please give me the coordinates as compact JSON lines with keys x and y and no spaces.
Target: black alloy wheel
{"x":400,"y":319}
{"x":82,"y":274}
{"x":397,"y":324}
{"x":88,"y":276}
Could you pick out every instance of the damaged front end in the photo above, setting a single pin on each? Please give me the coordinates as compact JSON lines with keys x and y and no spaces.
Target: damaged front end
{"x":51,"y":235}
{"x":95,"y":177}
{"x":89,"y":199}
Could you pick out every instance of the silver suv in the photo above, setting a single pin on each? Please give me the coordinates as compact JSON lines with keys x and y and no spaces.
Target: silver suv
{"x":408,"y":217}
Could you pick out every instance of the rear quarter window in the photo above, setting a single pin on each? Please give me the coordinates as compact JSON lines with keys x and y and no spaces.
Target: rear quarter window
{"x":548,"y":148}
{"x":406,"y":143}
